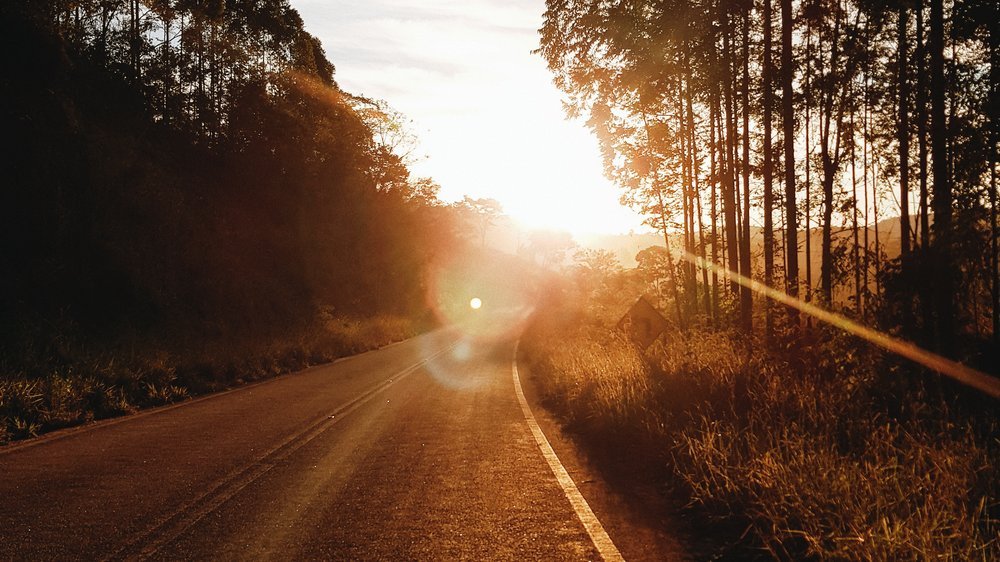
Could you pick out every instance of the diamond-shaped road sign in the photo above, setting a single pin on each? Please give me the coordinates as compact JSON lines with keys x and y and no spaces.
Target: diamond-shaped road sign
{"x":643,"y":323}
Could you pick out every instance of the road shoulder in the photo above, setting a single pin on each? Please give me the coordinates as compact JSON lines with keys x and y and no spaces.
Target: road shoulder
{"x":636,"y":516}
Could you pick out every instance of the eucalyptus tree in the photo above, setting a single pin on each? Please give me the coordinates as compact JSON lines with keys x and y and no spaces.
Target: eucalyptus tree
{"x":643,"y":74}
{"x":767,"y":161}
{"x":788,"y":141}
{"x":942,"y":190}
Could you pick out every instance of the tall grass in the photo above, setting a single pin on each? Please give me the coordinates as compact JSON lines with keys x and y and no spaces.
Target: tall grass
{"x":84,"y":385}
{"x":808,"y":461}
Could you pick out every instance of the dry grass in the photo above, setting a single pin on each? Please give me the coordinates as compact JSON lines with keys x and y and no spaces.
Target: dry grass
{"x":39,"y":397}
{"x":809,"y":461}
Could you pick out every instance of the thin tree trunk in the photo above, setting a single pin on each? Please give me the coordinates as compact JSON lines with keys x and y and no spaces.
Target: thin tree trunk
{"x":994,"y":104}
{"x":808,"y":201}
{"x":687,"y":152}
{"x":854,"y":225}
{"x":830,"y":166}
{"x":788,"y":125}
{"x":695,"y":167}
{"x":903,"y":136}
{"x":690,"y":293}
{"x":942,"y":196}
{"x":746,"y":295}
{"x":133,"y":39}
{"x":729,"y":185}
{"x":864,"y":169}
{"x":168,"y":69}
{"x":721,"y":151}
{"x":878,"y":238}
{"x":713,"y":181}
{"x":670,"y":259}
{"x":658,"y":188}
{"x":925,"y":231}
{"x":767,"y":171}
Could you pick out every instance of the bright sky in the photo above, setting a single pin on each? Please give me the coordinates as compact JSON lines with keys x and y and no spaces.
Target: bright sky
{"x":489,"y":119}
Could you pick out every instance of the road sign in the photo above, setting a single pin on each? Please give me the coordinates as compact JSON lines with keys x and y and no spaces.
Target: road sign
{"x":643,"y":323}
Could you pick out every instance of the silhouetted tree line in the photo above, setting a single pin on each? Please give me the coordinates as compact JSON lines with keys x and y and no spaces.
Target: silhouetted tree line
{"x":193,"y":163}
{"x":740,"y":127}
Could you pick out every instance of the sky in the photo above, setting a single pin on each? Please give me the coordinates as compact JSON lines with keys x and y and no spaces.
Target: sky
{"x":489,"y":119}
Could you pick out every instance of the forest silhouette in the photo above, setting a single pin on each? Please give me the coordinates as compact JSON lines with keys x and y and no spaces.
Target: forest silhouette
{"x":731,"y":123}
{"x":191,"y":200}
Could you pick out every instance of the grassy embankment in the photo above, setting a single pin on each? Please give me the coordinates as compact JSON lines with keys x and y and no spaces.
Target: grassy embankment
{"x":840,"y":456}
{"x":70,"y":383}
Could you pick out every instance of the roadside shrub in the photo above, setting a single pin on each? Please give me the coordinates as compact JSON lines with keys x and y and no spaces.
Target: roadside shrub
{"x":20,"y":399}
{"x":80,"y":387}
{"x":585,"y":376}
{"x":805,"y":462}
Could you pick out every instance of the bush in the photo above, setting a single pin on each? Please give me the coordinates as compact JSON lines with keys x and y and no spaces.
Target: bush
{"x":809,"y":461}
{"x":80,"y":387}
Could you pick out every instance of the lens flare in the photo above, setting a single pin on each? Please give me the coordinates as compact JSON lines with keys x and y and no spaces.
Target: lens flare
{"x":961,"y":373}
{"x":484,"y":296}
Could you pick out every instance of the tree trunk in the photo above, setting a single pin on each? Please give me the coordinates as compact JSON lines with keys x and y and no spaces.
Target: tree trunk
{"x":994,"y":104}
{"x":658,"y":189}
{"x":687,"y":199}
{"x":788,"y":126}
{"x":903,"y":138}
{"x":728,"y":175}
{"x":925,"y":231}
{"x":713,"y":181}
{"x":854,"y":223}
{"x":693,"y":146}
{"x":767,"y":171}
{"x":808,"y":163}
{"x":942,"y":195}
{"x":746,"y":295}
{"x":830,"y":165}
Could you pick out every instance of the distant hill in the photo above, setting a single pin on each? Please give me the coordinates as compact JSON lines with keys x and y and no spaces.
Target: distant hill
{"x":507,"y":236}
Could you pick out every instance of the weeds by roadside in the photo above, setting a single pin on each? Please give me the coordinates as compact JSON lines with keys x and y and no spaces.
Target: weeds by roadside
{"x":811,"y":461}
{"x":85,"y":386}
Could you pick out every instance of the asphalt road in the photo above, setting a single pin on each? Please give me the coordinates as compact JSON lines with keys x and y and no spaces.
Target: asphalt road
{"x":416,"y":451}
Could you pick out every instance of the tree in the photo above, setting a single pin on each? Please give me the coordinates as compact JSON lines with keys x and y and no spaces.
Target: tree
{"x":549,"y":247}
{"x":942,"y":193}
{"x":663,"y":84}
{"x":788,"y":140}
{"x":767,"y":165}
{"x":481,"y":214}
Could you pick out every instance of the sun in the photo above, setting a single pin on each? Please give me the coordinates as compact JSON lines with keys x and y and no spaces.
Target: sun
{"x":476,"y":303}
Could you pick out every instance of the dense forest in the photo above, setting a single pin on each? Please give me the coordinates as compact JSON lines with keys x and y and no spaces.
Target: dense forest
{"x":733,"y":122}
{"x":190,"y":199}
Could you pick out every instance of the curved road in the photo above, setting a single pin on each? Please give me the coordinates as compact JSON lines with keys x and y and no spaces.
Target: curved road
{"x":416,"y":451}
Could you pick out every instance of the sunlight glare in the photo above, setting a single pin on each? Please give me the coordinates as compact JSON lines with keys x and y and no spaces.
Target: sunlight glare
{"x":961,"y":373}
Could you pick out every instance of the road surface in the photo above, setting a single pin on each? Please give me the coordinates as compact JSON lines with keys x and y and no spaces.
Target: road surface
{"x":417,"y":451}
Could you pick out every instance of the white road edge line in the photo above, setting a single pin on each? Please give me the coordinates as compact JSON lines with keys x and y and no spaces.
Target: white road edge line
{"x":605,"y":547}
